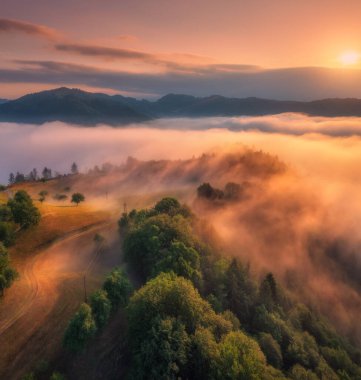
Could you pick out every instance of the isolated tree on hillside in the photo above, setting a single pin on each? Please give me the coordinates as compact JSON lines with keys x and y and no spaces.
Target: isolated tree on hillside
{"x":77,"y":198}
{"x":74,"y":168}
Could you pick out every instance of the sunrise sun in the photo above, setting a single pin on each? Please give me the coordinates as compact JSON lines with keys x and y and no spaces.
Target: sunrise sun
{"x":349,"y":57}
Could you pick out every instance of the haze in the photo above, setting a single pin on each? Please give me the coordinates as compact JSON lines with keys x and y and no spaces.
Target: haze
{"x":278,"y":49}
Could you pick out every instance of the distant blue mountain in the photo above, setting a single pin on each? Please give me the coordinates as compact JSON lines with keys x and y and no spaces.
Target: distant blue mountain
{"x":80,"y":107}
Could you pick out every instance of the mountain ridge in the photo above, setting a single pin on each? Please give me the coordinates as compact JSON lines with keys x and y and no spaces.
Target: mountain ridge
{"x":80,"y":107}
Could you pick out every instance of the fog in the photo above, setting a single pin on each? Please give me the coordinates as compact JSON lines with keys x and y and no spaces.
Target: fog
{"x":332,"y":143}
{"x":302,"y":211}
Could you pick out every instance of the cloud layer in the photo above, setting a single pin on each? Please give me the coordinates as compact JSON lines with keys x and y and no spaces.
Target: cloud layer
{"x":9,"y":25}
{"x":228,"y":80}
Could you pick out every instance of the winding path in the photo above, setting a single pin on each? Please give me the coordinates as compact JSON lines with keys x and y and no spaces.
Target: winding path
{"x":35,"y":311}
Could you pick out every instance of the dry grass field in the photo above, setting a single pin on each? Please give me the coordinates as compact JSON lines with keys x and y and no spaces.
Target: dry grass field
{"x":51,"y":259}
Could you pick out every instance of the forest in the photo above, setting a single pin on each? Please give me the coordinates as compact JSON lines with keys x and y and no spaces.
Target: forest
{"x":198,"y":313}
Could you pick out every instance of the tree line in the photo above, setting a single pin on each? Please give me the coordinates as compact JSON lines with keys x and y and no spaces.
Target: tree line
{"x":45,"y":175}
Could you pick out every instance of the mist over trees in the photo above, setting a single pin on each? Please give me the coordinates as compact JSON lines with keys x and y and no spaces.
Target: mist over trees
{"x":202,"y":315}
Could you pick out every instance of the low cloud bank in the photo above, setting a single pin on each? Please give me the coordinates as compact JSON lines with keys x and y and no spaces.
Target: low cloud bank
{"x":301,"y":223}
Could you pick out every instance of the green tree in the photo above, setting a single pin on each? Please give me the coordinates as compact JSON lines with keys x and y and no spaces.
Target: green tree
{"x":180,"y":259}
{"x":240,"y":291}
{"x":150,"y":239}
{"x":204,"y":355}
{"x":81,"y":328}
{"x":172,"y":207}
{"x":271,"y":349}
{"x":77,"y":198}
{"x":5,"y":213}
{"x":164,"y":351}
{"x":7,"y":274}
{"x":240,"y":358}
{"x":23,"y":210}
{"x":167,"y":206}
{"x":268,"y":292}
{"x":303,"y":350}
{"x":101,"y":308}
{"x":118,"y":288}
{"x":170,"y":296}
{"x":298,"y":372}
{"x":7,"y":233}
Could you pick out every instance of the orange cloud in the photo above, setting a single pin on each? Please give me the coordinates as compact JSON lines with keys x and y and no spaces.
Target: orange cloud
{"x":9,"y":25}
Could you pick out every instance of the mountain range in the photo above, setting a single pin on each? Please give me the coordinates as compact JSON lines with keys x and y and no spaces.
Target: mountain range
{"x":81,"y":107}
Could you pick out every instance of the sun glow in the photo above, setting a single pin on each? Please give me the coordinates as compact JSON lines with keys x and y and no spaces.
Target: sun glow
{"x":350,"y":57}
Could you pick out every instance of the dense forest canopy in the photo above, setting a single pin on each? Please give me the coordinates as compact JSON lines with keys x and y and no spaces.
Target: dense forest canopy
{"x":199,"y":314}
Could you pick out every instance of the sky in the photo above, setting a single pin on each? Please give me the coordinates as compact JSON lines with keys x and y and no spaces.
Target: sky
{"x":278,"y":49}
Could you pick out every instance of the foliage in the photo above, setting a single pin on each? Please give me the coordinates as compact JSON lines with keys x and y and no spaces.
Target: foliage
{"x":5,"y":213}
{"x":206,"y":191}
{"x":298,"y":372}
{"x":188,"y":318}
{"x":271,"y":349}
{"x":7,"y":233}
{"x":7,"y":274}
{"x":170,"y":296}
{"x":77,"y":198}
{"x":240,"y":358}
{"x":23,"y":210}
{"x":80,"y":329}
{"x":163,"y":352}
{"x":151,"y":240}
{"x":198,"y":314}
{"x":118,"y":288}
{"x":101,"y":308}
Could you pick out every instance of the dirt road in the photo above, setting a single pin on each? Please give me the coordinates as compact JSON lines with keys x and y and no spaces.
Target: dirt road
{"x":35,"y":311}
